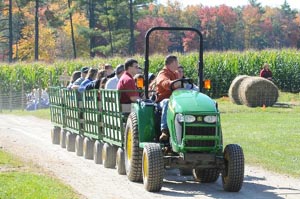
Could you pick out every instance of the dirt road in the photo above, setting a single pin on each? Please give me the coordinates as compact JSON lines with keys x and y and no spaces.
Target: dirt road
{"x":29,"y":138}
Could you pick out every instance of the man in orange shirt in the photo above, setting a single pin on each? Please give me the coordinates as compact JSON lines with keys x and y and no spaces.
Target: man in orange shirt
{"x":163,"y":81}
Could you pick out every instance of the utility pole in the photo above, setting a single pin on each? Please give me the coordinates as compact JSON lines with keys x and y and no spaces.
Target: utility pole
{"x":36,"y":45}
{"x":10,"y":42}
{"x":131,"y":42}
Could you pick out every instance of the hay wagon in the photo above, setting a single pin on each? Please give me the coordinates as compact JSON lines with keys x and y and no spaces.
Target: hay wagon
{"x":125,"y":136}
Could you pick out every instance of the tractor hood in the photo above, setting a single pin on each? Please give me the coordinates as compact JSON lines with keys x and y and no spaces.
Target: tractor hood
{"x":188,"y":101}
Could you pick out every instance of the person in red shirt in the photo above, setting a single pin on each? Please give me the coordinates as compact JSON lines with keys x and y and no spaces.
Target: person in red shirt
{"x":163,"y":81}
{"x":127,"y":83}
{"x":266,"y":72}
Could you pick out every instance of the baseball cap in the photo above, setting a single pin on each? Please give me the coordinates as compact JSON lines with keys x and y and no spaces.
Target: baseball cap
{"x":84,"y":69}
{"x":120,"y":68}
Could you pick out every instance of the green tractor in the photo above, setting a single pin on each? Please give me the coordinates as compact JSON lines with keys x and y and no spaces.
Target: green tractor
{"x":195,"y":144}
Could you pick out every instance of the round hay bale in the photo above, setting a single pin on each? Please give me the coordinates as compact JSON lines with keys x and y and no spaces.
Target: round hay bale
{"x":258,"y":91}
{"x":233,"y":92}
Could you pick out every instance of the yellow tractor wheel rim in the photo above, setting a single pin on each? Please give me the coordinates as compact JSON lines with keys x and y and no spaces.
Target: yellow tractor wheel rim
{"x":129,"y":145}
{"x":145,"y":166}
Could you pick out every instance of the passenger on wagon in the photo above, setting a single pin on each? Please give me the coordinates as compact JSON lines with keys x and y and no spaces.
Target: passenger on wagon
{"x":90,"y":77}
{"x":76,"y":84}
{"x":113,"y":82}
{"x":75,"y":75}
{"x":95,"y":84}
{"x":127,"y":82}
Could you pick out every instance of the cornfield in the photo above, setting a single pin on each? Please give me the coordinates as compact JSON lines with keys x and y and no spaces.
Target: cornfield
{"x":220,"y":67}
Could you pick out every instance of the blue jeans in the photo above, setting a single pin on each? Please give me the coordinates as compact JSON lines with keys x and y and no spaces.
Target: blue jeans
{"x":164,"y":108}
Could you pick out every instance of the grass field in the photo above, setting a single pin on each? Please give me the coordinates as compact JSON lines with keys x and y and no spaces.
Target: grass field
{"x":20,"y":180}
{"x":269,"y":136}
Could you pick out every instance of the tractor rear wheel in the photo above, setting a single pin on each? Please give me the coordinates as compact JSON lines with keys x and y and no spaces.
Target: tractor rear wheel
{"x":79,"y":145}
{"x":133,"y":153}
{"x":108,"y":156}
{"x":88,"y":147}
{"x":55,"y":133}
{"x":98,"y":152}
{"x":153,"y":167}
{"x":206,"y":175}
{"x":70,"y":141}
{"x":233,"y":174}
{"x":120,"y":162}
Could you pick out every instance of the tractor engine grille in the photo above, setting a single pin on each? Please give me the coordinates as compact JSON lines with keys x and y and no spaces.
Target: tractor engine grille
{"x":210,"y":131}
{"x":200,"y":131}
{"x":200,"y":143}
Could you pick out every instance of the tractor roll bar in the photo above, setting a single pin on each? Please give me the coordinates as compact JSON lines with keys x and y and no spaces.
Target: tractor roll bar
{"x":146,"y":61}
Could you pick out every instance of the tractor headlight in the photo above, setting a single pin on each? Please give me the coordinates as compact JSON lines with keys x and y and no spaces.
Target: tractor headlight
{"x":210,"y":119}
{"x":186,"y":118}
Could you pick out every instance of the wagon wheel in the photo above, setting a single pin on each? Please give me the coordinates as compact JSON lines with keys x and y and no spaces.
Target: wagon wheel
{"x":153,"y":167}
{"x":206,"y":175}
{"x":120,"y":162}
{"x":233,"y":174}
{"x":98,"y":152}
{"x":88,"y":147}
{"x":133,"y":154}
{"x":55,"y":133}
{"x":79,"y":145}
{"x":108,"y":156}
{"x":70,"y":141}
{"x":62,"y":138}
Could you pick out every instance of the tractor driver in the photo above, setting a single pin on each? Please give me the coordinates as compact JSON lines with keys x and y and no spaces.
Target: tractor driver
{"x":127,"y":82}
{"x":163,"y":81}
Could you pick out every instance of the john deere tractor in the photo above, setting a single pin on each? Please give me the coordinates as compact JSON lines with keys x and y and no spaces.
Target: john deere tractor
{"x":195,"y":144}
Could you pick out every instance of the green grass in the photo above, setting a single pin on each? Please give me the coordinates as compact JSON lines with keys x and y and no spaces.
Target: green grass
{"x":269,"y":136}
{"x":23,"y":181}
{"x":8,"y":160}
{"x":40,"y":113}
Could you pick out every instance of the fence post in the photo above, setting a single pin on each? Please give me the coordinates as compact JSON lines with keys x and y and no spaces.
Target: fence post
{"x":40,"y":94}
{"x":50,"y":79}
{"x":0,"y":100}
{"x":10,"y":96}
{"x":23,"y":95}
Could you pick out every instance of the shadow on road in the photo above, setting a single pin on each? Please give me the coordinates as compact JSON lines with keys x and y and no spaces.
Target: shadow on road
{"x":253,"y":187}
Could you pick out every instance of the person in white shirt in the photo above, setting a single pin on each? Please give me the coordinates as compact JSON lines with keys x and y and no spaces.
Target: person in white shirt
{"x":112,"y":82}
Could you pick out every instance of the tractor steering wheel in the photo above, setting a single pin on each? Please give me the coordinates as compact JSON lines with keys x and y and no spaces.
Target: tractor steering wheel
{"x":183,"y":80}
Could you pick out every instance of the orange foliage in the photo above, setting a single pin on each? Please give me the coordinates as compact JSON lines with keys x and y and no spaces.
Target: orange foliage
{"x":159,"y":41}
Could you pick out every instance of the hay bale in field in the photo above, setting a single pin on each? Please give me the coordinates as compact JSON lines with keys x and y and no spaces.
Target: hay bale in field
{"x":233,"y":92}
{"x":258,"y":91}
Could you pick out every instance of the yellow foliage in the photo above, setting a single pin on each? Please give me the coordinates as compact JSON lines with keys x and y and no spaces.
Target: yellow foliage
{"x":25,"y":48}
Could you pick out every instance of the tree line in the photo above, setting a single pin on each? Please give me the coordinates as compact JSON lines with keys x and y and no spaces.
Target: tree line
{"x":66,"y":29}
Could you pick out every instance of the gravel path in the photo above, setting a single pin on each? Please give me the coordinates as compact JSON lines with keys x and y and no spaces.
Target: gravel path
{"x":29,"y":138}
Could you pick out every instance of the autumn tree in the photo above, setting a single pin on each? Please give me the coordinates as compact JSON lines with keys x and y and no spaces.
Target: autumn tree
{"x":159,"y":41}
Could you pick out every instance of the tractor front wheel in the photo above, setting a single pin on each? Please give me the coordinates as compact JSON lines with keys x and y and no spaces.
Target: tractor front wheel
{"x":153,"y":167}
{"x":233,"y":174}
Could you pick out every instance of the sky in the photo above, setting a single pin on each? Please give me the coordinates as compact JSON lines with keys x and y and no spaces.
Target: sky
{"x":295,"y":4}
